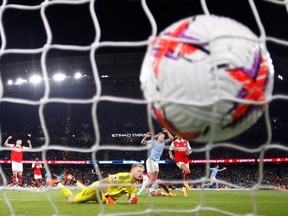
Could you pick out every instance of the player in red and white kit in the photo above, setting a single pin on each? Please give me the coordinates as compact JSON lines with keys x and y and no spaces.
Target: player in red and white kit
{"x":37,"y":170}
{"x":153,"y":189}
{"x":17,"y":153}
{"x":181,"y":149}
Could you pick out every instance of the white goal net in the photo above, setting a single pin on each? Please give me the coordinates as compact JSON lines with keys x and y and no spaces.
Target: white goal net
{"x":69,"y":82}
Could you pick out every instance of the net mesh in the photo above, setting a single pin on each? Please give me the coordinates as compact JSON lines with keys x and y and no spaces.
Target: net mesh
{"x":49,"y":36}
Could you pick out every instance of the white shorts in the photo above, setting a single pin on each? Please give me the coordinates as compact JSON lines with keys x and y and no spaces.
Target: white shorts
{"x":17,"y":167}
{"x":213,"y":179}
{"x":150,"y":191}
{"x":152,"y":166}
{"x":179,"y":164}
{"x":37,"y":176}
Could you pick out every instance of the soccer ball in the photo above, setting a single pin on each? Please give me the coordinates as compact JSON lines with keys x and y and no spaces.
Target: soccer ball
{"x":207,"y":78}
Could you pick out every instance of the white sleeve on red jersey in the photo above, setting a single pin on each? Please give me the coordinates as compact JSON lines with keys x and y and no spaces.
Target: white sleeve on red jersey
{"x":144,"y":184}
{"x":172,"y":146}
{"x":189,"y":147}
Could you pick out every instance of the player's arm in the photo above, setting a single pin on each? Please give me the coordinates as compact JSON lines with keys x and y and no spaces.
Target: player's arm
{"x":189,"y":149}
{"x":222,"y":169}
{"x":104,"y":188}
{"x":6,"y":143}
{"x":144,"y":184}
{"x":141,"y":189}
{"x":171,"y":155}
{"x":132,"y":199}
{"x":144,"y":140}
{"x":170,"y":137}
{"x":170,"y":151}
{"x":29,"y":143}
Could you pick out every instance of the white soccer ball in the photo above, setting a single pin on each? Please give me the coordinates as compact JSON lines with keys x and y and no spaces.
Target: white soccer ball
{"x":198,"y":72}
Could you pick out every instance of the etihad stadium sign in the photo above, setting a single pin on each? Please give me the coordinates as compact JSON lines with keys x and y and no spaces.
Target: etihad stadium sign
{"x":128,"y":135}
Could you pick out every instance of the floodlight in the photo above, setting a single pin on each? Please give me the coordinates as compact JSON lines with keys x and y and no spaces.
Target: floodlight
{"x":20,"y":81}
{"x":78,"y":75}
{"x":10,"y":82}
{"x":35,"y":79}
{"x":59,"y":77}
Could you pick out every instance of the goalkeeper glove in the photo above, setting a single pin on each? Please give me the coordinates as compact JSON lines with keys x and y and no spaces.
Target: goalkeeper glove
{"x":110,"y":201}
{"x":133,"y":200}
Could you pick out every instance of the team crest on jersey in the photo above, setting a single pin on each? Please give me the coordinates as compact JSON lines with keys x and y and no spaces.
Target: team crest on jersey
{"x":114,"y":178}
{"x":179,"y":144}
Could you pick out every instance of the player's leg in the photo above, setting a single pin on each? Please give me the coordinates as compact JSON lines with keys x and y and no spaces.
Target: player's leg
{"x":38,"y":180}
{"x":152,"y":171}
{"x":66,"y":193}
{"x":209,"y":183}
{"x":77,"y":183}
{"x":80,"y":185}
{"x":186,"y":172}
{"x":14,"y":178}
{"x":36,"y":183}
{"x":155,"y":170}
{"x":216,"y":184}
{"x":19,"y":178}
{"x":91,"y":193}
{"x":154,"y":192}
{"x":20,"y":174}
{"x":212,"y":181}
{"x":165,"y":187}
{"x":14,"y":173}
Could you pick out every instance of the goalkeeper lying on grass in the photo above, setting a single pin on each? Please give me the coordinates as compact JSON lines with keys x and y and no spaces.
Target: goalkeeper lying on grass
{"x":108,"y":189}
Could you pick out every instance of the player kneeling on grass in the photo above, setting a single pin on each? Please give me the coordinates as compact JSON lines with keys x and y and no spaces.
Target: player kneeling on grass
{"x":109,"y":189}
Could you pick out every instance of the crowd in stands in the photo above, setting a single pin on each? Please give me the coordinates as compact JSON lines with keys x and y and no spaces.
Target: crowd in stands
{"x":67,"y":128}
{"x":242,"y":176}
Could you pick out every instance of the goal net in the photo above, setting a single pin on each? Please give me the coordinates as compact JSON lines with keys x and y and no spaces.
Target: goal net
{"x":70,"y":83}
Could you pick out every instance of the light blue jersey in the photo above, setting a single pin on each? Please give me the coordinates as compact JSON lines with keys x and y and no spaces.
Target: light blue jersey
{"x":48,"y":177}
{"x":156,"y":149}
{"x":214,"y":172}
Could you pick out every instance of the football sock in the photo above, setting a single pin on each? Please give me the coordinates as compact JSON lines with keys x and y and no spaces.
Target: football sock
{"x":165,"y":187}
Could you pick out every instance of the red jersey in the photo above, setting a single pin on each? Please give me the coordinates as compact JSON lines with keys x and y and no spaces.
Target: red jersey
{"x":17,"y":153}
{"x":145,"y":178}
{"x":37,"y":166}
{"x":180,"y":148}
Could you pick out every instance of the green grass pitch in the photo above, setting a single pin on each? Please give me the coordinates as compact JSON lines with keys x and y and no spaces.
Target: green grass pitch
{"x":198,"y":202}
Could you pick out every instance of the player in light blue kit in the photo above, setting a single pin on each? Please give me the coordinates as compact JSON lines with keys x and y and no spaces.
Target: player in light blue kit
{"x":214,"y":172}
{"x":155,"y":152}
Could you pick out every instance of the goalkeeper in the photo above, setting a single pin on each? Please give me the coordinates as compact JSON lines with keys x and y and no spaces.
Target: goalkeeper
{"x":109,"y":189}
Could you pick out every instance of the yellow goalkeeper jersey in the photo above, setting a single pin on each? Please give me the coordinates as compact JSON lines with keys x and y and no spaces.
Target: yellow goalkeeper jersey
{"x":121,"y":184}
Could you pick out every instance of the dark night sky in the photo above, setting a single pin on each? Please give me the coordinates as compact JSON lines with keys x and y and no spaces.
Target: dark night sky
{"x":125,"y":20}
